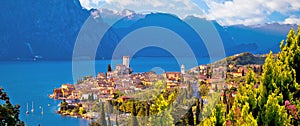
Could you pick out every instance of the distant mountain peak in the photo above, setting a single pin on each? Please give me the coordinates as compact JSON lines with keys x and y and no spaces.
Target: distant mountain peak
{"x":113,"y":13}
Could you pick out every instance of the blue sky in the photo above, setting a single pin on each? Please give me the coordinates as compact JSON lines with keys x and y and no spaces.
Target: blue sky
{"x":225,"y":12}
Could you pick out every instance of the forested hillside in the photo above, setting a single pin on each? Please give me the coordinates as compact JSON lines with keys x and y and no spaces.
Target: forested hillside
{"x":276,"y":101}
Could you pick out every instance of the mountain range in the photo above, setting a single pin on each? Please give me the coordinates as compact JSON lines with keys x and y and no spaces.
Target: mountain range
{"x":49,"y":29}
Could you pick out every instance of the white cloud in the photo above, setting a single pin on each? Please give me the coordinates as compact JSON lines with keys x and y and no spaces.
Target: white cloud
{"x":180,"y":8}
{"x":226,"y":12}
{"x":89,"y":4}
{"x":249,"y":12}
{"x":292,"y":20}
{"x":283,"y":6}
{"x":236,"y":12}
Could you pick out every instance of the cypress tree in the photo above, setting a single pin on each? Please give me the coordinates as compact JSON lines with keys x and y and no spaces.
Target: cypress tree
{"x":108,"y":119}
{"x":243,"y":72}
{"x":198,"y":114}
{"x":134,"y":121}
{"x":109,"y":68}
{"x":190,"y":117}
{"x":117,"y":122}
{"x":102,"y":120}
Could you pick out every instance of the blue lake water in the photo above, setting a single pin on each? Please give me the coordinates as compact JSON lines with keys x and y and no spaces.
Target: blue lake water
{"x":33,"y":81}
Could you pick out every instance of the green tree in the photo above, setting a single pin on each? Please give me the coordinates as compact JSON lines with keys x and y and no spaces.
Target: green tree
{"x":117,"y":121}
{"x":133,"y":121}
{"x":250,"y":77}
{"x":108,"y":107}
{"x":290,"y":50}
{"x":243,"y":72}
{"x":63,"y":105}
{"x":267,"y":84}
{"x":109,"y":68}
{"x":189,"y":119}
{"x":274,"y":114}
{"x":108,"y":119}
{"x":190,"y":90}
{"x":102,"y":120}
{"x":81,"y":110}
{"x":198,"y":111}
{"x":163,"y":118}
{"x":250,"y":93}
{"x":9,"y":114}
{"x":142,"y":116}
{"x":280,"y":75}
{"x":203,"y":90}
{"x":279,"y":82}
{"x":219,"y":115}
{"x":241,"y":116}
{"x":289,"y":59}
{"x":245,"y":102}
{"x":161,"y":109}
{"x":289,"y":77}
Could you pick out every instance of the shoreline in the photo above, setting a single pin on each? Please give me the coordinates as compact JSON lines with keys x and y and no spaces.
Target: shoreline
{"x":108,"y":83}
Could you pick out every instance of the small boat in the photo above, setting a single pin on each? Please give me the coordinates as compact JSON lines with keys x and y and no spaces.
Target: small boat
{"x":27,"y":112}
{"x":42,"y":111}
{"x":32,"y":110}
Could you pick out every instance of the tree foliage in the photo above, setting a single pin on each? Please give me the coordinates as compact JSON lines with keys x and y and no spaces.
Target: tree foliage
{"x":101,"y":119}
{"x":245,"y":103}
{"x":9,"y":114}
{"x":274,"y":114}
{"x":279,"y":81}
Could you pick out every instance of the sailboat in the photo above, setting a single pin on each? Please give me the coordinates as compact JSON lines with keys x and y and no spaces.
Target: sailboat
{"x":32,"y":110}
{"x":27,"y":112}
{"x":42,"y":111}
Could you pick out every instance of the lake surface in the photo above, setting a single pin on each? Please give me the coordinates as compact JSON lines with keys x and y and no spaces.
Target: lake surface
{"x":33,"y":81}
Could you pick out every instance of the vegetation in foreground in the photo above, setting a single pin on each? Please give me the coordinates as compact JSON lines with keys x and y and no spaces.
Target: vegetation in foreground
{"x":66,"y":109}
{"x":276,"y":101}
{"x":9,"y":114}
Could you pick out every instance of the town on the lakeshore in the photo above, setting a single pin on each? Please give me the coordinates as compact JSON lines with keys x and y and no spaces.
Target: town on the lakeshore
{"x":108,"y":86}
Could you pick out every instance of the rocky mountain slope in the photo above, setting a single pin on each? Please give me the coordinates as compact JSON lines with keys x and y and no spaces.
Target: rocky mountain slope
{"x":48,"y":29}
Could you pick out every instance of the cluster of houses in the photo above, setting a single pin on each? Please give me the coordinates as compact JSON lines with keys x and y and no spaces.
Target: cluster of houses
{"x":214,"y":77}
{"x":107,"y":85}
{"x":241,"y":70}
{"x":66,"y":91}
